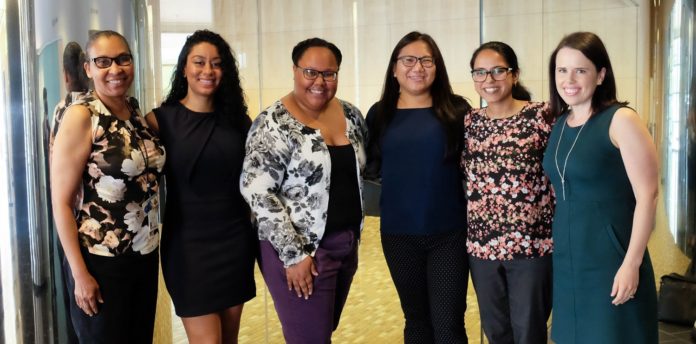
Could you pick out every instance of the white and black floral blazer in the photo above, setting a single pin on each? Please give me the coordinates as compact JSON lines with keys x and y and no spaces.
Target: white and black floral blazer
{"x":286,"y":178}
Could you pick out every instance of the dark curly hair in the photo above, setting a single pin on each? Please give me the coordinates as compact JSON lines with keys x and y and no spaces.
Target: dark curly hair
{"x":228,"y":99}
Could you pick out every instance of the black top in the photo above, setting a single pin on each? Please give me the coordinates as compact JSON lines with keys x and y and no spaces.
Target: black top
{"x":205,"y":153}
{"x":208,"y":244}
{"x":345,"y":209}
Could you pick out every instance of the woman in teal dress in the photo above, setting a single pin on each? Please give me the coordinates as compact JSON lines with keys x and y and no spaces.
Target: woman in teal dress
{"x":603,"y":167}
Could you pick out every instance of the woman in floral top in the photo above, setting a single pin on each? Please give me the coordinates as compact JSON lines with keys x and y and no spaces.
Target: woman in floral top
{"x":302,"y":179}
{"x":105,"y":148}
{"x":510,"y":202}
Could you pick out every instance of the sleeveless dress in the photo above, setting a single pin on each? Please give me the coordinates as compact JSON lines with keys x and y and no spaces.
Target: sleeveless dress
{"x":208,"y":245}
{"x":591,"y":231}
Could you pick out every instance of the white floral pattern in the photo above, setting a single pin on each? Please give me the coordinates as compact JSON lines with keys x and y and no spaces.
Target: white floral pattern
{"x":134,"y":218}
{"x":286,"y":178}
{"x":122,"y":171}
{"x":110,"y":189}
{"x":134,"y":166}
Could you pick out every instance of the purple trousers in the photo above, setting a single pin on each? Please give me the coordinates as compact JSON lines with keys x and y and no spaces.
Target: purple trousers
{"x":312,"y":321}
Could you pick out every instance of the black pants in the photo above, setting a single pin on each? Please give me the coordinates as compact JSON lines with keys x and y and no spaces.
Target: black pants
{"x":431,"y":274}
{"x":514,"y":298}
{"x":128,"y":285}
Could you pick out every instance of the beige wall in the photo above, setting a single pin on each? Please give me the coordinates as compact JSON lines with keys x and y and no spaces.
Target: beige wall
{"x":263,"y":32}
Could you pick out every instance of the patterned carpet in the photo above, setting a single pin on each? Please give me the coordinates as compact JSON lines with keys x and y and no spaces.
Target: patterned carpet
{"x":372,"y":313}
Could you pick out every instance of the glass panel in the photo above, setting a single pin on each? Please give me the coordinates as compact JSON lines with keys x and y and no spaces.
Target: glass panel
{"x":678,"y":148}
{"x":262,"y":36}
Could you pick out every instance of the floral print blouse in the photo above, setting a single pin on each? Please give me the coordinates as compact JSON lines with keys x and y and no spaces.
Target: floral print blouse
{"x":286,"y":178}
{"x":122,"y":173}
{"x":510,"y":201}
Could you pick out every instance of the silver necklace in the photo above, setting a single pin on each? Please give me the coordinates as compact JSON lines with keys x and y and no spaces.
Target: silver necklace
{"x":565,"y":162}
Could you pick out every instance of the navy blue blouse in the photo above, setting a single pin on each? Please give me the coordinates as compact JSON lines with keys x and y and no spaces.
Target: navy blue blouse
{"x":422,"y":194}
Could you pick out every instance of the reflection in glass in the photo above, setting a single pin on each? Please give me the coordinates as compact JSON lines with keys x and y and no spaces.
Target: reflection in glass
{"x":678,"y":149}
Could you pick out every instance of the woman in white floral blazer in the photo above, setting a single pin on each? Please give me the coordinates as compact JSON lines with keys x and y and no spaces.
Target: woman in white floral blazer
{"x":302,"y":180}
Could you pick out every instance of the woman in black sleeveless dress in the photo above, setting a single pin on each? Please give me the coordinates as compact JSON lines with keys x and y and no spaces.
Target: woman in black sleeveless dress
{"x":208,"y":245}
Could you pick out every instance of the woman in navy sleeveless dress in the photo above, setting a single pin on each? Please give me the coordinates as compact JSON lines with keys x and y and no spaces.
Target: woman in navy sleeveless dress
{"x":603,"y":167}
{"x":208,"y":245}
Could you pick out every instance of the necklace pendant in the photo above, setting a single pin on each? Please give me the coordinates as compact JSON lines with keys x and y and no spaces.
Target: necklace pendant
{"x":563,"y":187}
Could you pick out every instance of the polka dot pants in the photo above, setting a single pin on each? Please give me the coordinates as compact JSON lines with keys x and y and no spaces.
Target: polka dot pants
{"x":430,"y":273}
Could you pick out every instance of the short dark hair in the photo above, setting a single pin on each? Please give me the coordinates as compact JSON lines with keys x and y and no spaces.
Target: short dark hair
{"x":518,"y":90}
{"x":590,"y":45}
{"x":104,"y":33}
{"x":228,"y":99}
{"x":73,"y":67}
{"x":301,"y":47}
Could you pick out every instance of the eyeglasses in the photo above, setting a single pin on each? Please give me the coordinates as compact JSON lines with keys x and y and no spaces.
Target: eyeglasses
{"x":312,"y":74}
{"x":105,"y":61}
{"x":410,"y":61}
{"x":497,"y":73}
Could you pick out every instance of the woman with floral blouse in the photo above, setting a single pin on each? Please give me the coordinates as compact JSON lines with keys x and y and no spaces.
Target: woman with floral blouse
{"x":302,"y":180}
{"x":104,"y":148}
{"x":510,"y":201}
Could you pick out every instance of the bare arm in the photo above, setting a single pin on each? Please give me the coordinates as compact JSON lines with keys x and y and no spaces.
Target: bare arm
{"x":630,"y":135}
{"x":151,"y":120}
{"x":71,"y":149}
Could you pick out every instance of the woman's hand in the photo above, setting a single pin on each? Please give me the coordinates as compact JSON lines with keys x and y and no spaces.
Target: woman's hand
{"x":301,"y":277}
{"x":87,"y":294}
{"x":625,"y":284}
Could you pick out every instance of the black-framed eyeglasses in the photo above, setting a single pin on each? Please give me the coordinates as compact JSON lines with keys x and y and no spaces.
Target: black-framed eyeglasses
{"x":312,"y":74}
{"x":410,"y":61}
{"x":105,"y":61}
{"x":497,"y":73}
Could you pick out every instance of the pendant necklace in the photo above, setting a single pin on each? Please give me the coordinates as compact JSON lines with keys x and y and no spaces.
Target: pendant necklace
{"x":565,"y":162}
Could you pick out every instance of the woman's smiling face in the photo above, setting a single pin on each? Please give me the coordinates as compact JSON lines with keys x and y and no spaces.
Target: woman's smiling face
{"x":576,"y":77}
{"x":203,"y":69}
{"x":115,"y":80}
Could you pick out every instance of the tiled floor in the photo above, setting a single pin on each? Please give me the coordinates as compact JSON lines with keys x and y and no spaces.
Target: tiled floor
{"x":675,"y":334}
{"x":373,"y":314}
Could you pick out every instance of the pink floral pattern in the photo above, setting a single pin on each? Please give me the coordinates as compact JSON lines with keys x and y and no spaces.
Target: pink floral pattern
{"x":510,"y":200}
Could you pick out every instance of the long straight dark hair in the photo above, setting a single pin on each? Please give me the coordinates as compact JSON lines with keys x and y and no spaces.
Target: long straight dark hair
{"x":592,"y":47}
{"x":449,"y":108}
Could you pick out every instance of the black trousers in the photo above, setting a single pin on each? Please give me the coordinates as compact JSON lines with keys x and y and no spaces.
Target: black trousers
{"x":431,"y":275}
{"x":128,"y":285}
{"x":514,"y":298}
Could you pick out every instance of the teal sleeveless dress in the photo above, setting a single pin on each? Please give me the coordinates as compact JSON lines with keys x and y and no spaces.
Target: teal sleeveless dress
{"x":591,"y":231}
